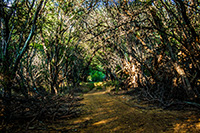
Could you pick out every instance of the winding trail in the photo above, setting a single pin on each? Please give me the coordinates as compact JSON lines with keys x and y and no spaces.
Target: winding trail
{"x":103,"y":113}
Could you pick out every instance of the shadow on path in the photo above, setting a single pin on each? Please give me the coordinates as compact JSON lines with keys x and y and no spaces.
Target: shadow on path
{"x":104,"y":113}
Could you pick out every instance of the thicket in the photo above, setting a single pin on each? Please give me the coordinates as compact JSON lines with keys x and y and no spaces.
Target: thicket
{"x":49,"y":47}
{"x":151,"y":45}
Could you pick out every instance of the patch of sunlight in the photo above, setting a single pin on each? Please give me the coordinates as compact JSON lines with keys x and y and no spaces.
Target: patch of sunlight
{"x":99,"y":114}
{"x":82,"y":120}
{"x":98,"y":84}
{"x":117,"y":128}
{"x":178,"y":127}
{"x":192,"y":124}
{"x":104,"y":121}
{"x":198,"y":126}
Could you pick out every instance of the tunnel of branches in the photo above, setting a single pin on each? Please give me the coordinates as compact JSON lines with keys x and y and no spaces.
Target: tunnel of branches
{"x":49,"y":47}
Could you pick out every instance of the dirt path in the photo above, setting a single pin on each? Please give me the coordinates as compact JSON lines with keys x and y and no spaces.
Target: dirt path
{"x":105,"y":113}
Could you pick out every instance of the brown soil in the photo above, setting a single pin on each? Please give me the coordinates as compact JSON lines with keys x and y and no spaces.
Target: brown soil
{"x":103,"y":112}
{"x":106,"y":113}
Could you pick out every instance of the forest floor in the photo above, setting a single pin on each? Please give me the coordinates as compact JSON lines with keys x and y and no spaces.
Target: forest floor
{"x":103,"y":112}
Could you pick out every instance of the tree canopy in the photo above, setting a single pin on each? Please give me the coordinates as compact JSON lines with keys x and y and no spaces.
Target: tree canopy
{"x":49,"y":47}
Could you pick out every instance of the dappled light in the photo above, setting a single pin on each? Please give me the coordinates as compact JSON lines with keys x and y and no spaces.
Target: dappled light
{"x":190,"y":124}
{"x":99,"y":66}
{"x":106,"y":113}
{"x":82,"y":120}
{"x":106,"y":121}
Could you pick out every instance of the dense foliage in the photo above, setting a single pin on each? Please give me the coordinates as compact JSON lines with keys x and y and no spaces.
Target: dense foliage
{"x":49,"y":47}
